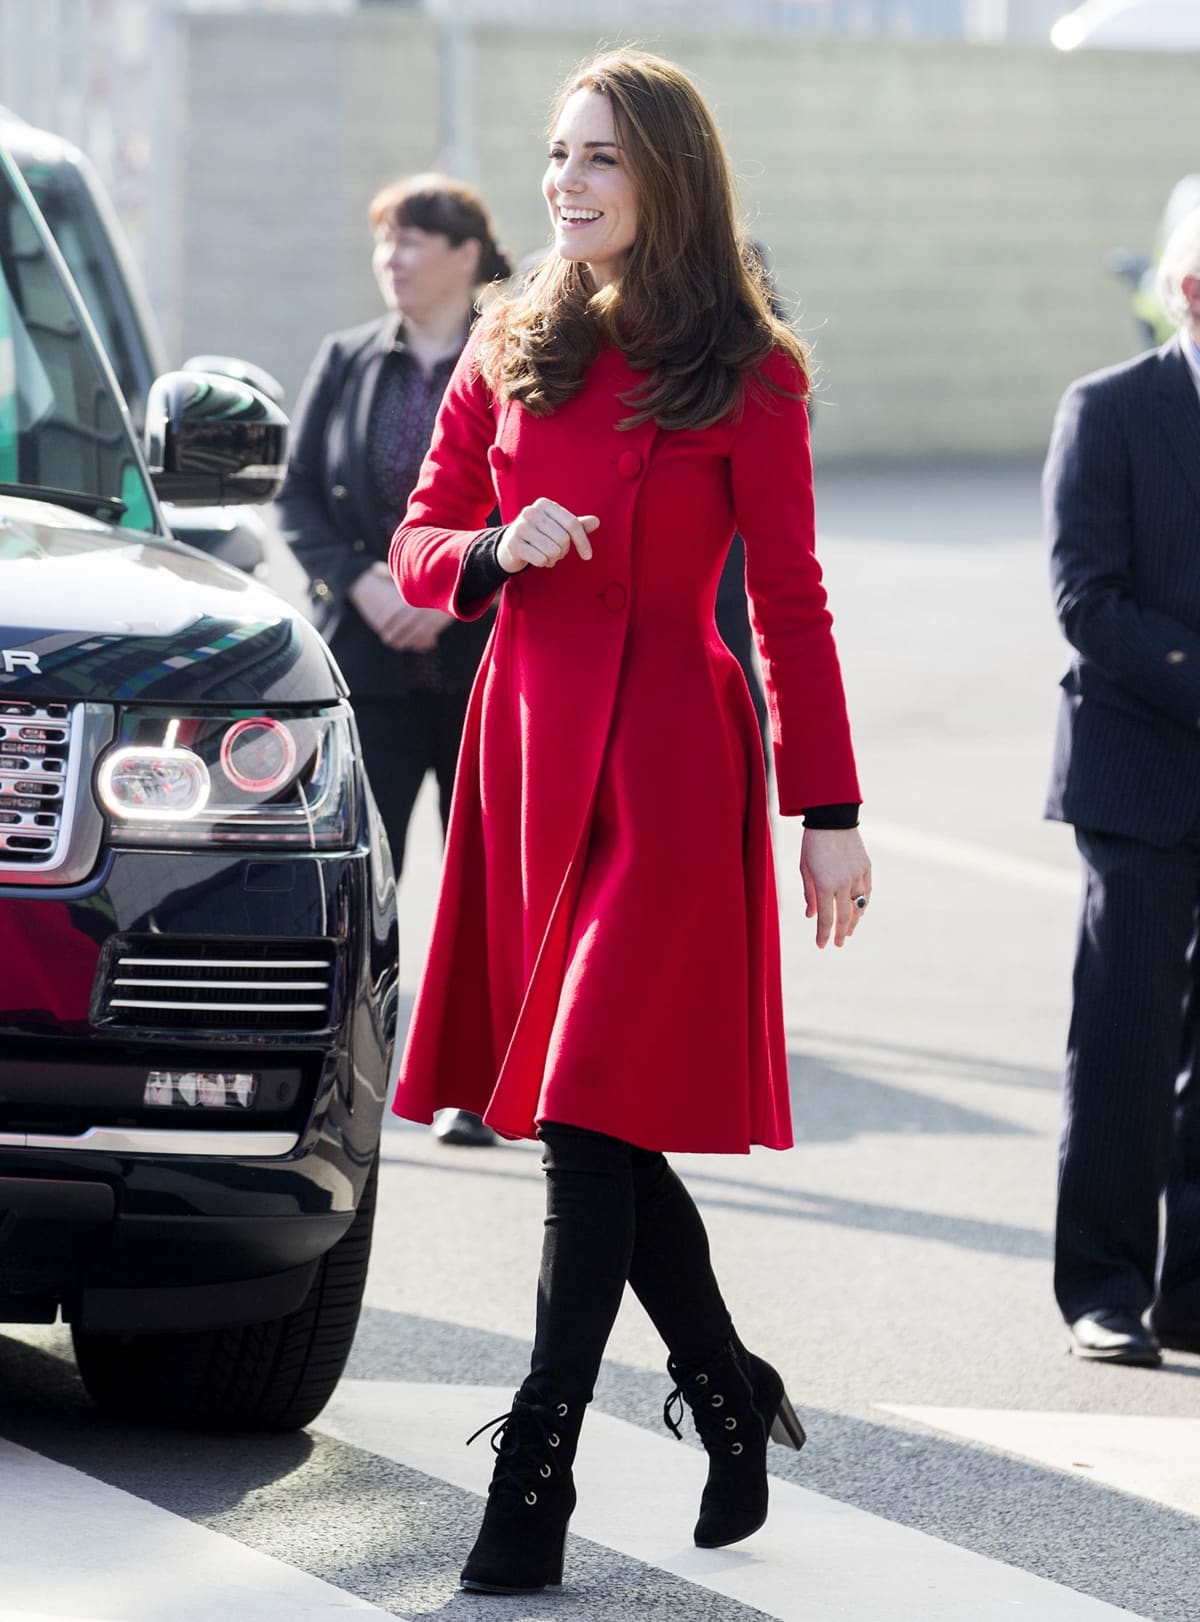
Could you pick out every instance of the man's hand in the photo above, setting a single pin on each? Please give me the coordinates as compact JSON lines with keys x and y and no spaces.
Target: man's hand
{"x":835,"y":868}
{"x":541,"y":534}
{"x":395,"y":622}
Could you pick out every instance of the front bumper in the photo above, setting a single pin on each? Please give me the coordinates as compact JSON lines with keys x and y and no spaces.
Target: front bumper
{"x":65,"y":1244}
{"x":141,"y":1218}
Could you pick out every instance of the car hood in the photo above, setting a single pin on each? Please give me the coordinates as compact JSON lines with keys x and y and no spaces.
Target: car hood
{"x":92,"y":612}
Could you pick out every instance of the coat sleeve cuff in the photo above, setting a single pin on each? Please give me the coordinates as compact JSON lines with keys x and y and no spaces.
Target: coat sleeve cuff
{"x":427,"y":565}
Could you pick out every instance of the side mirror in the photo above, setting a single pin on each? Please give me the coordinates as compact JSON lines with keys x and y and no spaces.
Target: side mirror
{"x":212,"y":440}
{"x":245,"y":371}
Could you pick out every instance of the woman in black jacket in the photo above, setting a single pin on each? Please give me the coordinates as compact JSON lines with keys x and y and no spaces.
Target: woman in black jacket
{"x":361,"y":428}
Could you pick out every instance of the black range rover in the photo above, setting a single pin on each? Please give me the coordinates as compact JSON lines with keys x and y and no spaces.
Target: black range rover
{"x":197,"y":914}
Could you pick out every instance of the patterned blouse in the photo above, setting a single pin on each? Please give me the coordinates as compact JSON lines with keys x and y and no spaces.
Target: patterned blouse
{"x":402,"y":417}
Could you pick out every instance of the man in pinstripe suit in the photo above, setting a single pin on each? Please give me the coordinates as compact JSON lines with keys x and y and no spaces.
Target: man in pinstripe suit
{"x":1122,"y":501}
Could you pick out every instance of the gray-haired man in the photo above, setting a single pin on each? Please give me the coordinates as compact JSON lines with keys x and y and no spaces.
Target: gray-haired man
{"x":1122,"y":499}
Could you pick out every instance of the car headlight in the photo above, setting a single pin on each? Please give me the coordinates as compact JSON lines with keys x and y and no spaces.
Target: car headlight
{"x":242,"y":778}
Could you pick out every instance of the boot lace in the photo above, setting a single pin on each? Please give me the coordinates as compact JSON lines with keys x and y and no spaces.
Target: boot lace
{"x":716,"y":1428}
{"x":524,"y":1464}
{"x":673,"y":1411}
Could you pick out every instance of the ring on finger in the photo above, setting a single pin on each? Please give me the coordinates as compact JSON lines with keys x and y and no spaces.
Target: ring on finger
{"x":860,"y":901}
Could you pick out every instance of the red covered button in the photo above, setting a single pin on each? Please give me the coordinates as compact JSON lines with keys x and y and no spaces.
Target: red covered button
{"x":629,"y":464}
{"x":499,"y":459}
{"x":613,"y":597}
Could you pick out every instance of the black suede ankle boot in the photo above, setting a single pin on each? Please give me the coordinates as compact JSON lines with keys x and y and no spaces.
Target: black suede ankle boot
{"x":519,"y":1549}
{"x":737,"y":1402}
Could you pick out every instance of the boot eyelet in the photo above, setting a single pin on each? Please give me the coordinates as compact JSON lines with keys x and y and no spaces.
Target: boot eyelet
{"x":531,"y":1498}
{"x":544,"y":1472}
{"x":702,"y":1379}
{"x":731,"y":1423}
{"x":736,"y":1448}
{"x":554,"y":1439}
{"x":718,"y":1401}
{"x":561,"y":1410}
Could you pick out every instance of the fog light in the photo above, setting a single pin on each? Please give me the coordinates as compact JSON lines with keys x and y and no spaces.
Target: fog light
{"x":200,"y":1089}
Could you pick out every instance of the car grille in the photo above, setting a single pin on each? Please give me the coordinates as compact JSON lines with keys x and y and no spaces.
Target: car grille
{"x":226,"y":985}
{"x":36,"y":744}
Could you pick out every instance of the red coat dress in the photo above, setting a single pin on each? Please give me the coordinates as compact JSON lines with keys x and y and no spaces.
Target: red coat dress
{"x":605,"y":951}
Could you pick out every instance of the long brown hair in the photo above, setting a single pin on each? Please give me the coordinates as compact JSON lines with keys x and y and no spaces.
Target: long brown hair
{"x":691,"y":307}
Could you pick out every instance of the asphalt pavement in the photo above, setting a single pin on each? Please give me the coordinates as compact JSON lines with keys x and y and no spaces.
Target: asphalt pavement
{"x":895,"y":1265}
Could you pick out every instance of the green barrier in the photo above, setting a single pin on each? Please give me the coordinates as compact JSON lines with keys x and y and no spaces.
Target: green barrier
{"x":138,"y":513}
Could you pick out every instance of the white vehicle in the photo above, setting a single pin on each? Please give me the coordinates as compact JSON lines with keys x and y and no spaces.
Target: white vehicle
{"x":1130,"y":25}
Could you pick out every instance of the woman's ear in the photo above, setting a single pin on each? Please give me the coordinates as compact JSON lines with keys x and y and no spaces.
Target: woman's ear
{"x":471,"y":251}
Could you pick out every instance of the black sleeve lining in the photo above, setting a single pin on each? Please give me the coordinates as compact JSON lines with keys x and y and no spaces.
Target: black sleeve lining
{"x":482,"y":574}
{"x":831,"y":816}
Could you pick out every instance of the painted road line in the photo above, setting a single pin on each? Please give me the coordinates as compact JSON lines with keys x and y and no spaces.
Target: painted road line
{"x":975,"y":858}
{"x":815,"y":1559}
{"x":1149,"y":1456}
{"x":75,"y":1549}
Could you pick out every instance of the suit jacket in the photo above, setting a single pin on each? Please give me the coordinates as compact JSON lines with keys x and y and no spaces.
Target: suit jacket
{"x":1122,"y":504}
{"x":327,"y":514}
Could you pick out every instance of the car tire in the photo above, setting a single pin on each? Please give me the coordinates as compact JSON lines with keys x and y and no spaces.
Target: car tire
{"x":274,"y":1376}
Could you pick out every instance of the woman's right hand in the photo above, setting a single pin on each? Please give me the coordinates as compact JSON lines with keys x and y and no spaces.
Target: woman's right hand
{"x":541,"y":534}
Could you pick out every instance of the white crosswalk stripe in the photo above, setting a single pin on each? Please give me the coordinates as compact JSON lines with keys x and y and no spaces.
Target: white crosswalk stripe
{"x":77,"y":1550}
{"x":815,"y":1558}
{"x":1154,"y":1458}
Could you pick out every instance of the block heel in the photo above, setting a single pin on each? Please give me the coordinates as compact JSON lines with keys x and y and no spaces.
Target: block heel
{"x":786,"y":1428}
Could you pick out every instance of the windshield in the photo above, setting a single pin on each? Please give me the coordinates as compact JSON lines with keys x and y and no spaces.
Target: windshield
{"x":62,"y":432}
{"x":63,"y":204}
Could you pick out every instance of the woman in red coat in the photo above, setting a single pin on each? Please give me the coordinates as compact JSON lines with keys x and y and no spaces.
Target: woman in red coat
{"x":604,"y":970}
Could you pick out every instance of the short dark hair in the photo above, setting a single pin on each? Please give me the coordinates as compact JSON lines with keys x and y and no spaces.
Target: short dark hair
{"x":445,"y":207}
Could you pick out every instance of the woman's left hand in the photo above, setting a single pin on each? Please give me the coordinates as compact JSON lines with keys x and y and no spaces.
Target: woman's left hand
{"x":836,"y":869}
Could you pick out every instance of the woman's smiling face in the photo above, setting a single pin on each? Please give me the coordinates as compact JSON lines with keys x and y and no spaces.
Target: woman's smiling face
{"x":589,"y":188}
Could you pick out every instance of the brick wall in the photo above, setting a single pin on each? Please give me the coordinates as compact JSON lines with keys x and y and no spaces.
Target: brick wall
{"x":938,"y":215}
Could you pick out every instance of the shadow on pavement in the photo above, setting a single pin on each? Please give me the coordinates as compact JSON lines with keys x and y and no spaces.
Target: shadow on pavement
{"x":997,"y":1238}
{"x":795,"y":1205}
{"x":969,"y":1067}
{"x":43,"y":1406}
{"x":832,"y":1104}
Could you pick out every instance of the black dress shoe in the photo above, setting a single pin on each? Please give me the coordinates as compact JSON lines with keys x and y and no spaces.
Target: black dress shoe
{"x":1177,"y":1338}
{"x":459,"y":1126}
{"x":1114,"y":1335}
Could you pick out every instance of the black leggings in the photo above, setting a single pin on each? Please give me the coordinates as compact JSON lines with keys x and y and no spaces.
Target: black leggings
{"x":617,"y":1213}
{"x":402,"y":738}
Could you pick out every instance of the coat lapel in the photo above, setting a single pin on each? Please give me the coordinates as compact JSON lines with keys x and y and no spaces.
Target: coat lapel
{"x":1179,"y":411}
{"x":362,"y":404}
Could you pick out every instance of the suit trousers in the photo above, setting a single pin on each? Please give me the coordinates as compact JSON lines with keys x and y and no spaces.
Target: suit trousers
{"x":616,"y":1213}
{"x":402,"y":738}
{"x":1131,"y":1125}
